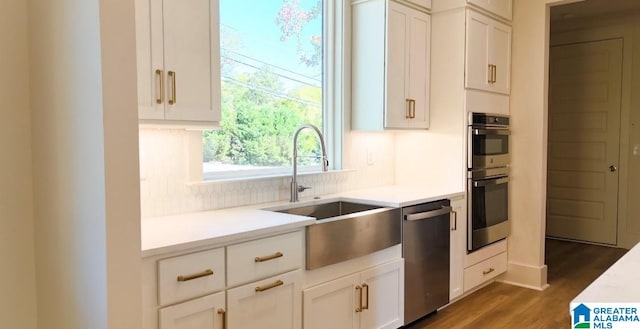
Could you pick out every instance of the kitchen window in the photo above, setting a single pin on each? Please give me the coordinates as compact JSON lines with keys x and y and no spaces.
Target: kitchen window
{"x":276,"y":61}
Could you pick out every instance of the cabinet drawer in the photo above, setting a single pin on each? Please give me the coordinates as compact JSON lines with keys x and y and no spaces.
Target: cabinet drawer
{"x":484,"y":271}
{"x":259,"y":259}
{"x":205,"y":312}
{"x":272,"y":303}
{"x":191,"y":275}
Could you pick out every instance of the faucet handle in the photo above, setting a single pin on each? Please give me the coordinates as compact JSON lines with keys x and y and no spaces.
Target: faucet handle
{"x":303,"y":188}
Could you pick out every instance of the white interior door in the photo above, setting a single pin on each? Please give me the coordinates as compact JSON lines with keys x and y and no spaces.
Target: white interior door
{"x":584,"y":135}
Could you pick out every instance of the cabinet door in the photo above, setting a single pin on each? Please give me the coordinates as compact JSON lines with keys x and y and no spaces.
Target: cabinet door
{"x":273,"y":303}
{"x":191,"y":59}
{"x":383,"y":296}
{"x":333,"y":304}
{"x":202,"y":313}
{"x":408,"y":63}
{"x":148,"y":60}
{"x":419,"y":66}
{"x":502,"y":8}
{"x":458,"y":247}
{"x":500,"y":56}
{"x":477,"y":71}
{"x":397,"y":70}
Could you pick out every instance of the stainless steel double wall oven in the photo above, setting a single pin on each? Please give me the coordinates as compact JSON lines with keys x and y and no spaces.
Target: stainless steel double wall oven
{"x":487,"y":179}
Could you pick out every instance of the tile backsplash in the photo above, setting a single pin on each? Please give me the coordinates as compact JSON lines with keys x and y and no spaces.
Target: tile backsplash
{"x":166,"y":187}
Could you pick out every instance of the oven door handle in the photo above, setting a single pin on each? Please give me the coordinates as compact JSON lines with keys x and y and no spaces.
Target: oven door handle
{"x":490,"y":132}
{"x":486,"y":182}
{"x":428,"y":214}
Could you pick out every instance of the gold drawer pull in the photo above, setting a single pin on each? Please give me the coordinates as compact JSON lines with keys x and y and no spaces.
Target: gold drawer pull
{"x":269,"y":286}
{"x":183,"y":278}
{"x":270,"y":257}
{"x":488,"y":271}
{"x":223,"y":313}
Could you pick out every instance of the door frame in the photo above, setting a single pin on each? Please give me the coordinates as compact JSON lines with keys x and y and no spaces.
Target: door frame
{"x":598,"y":31}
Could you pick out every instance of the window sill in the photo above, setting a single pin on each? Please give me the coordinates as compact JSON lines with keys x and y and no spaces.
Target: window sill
{"x":264,"y":177}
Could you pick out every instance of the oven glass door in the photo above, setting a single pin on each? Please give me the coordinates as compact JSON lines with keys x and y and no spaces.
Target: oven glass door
{"x":488,"y":148}
{"x":489,"y":202}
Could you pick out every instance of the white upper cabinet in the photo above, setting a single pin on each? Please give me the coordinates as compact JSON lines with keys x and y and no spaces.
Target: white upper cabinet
{"x":421,"y":3}
{"x":390,"y":66}
{"x":488,"y":54}
{"x":502,"y":8}
{"x":498,"y":8}
{"x":178,"y":61}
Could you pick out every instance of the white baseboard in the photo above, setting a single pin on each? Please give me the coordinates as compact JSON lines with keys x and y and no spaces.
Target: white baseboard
{"x":527,"y":276}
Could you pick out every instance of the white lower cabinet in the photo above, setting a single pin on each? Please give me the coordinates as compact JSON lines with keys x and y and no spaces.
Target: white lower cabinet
{"x":484,"y":265}
{"x":250,"y":284}
{"x":273,"y":303}
{"x":206,"y":312}
{"x":372,"y":298}
{"x":458,"y":247}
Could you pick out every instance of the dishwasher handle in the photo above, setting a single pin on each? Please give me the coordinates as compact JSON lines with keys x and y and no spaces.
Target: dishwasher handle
{"x":428,"y":214}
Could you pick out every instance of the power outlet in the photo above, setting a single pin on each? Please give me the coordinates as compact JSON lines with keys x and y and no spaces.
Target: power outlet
{"x":370,"y":157}
{"x":636,"y":149}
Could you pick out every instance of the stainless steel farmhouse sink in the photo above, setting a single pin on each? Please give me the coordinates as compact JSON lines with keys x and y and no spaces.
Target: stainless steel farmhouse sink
{"x":346,"y":230}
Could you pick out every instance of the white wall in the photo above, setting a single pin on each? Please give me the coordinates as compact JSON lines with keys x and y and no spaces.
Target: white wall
{"x":166,"y":189}
{"x":84,"y":118}
{"x":17,"y":277}
{"x":529,"y":142}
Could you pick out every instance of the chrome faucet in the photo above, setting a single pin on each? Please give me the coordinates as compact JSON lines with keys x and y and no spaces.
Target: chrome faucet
{"x":295,"y":188}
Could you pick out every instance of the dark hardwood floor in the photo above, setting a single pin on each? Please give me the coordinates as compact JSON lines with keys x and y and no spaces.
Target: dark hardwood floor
{"x":572,"y":267}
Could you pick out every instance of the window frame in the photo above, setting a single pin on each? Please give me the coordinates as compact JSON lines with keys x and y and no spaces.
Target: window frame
{"x":334,"y":99}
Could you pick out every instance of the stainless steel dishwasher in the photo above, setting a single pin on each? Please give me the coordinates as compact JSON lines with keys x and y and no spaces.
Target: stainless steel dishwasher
{"x":425,"y":248}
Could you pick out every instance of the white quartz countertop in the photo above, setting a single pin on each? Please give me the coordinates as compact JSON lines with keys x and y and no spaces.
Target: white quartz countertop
{"x":401,"y":196}
{"x":178,"y":232}
{"x":618,"y":284}
{"x":167,"y":234}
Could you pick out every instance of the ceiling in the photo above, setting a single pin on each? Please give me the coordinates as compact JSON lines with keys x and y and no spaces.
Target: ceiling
{"x":589,"y":8}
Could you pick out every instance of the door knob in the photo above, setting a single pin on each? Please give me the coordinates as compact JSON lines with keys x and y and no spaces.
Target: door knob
{"x":613,"y":168}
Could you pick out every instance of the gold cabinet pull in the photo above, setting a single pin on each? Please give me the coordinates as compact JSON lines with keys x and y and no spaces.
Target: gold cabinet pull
{"x":490,"y":80}
{"x":159,"y":87}
{"x":269,"y":286}
{"x":270,"y":257}
{"x":172,"y":77}
{"x":183,"y":278}
{"x":408,"y":102}
{"x":366,"y":298}
{"x":223,"y":313}
{"x":411,"y":108}
{"x":495,"y":74}
{"x":359,"y":291}
{"x":488,"y":271}
{"x":412,"y":112}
